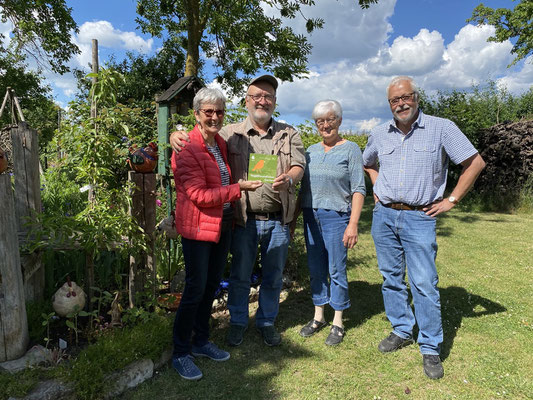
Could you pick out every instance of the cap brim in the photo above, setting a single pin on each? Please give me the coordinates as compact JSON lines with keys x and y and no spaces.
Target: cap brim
{"x":265,"y":78}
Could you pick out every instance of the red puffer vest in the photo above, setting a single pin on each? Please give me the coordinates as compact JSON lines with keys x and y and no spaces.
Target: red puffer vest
{"x":200,"y":194}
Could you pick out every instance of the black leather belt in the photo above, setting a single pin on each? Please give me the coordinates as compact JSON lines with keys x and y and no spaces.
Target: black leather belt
{"x":403,"y":206}
{"x":264,"y":216}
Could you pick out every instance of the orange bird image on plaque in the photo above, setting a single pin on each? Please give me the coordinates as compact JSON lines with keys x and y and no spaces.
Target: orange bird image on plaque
{"x":260,"y":164}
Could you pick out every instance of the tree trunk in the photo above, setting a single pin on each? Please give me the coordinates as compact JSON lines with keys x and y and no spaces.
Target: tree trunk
{"x":194,"y":36}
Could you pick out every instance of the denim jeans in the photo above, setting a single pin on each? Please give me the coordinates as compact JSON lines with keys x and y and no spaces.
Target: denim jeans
{"x":273,"y":238}
{"x":204,"y":265}
{"x":326,"y":256}
{"x":407,"y":239}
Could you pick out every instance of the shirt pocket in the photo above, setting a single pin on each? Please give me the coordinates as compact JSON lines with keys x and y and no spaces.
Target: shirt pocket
{"x":424,"y":154}
{"x":388,"y":156}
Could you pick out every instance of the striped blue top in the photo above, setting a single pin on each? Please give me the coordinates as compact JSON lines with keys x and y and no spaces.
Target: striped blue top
{"x":413,"y":168}
{"x":224,"y":174}
{"x":331,"y":178}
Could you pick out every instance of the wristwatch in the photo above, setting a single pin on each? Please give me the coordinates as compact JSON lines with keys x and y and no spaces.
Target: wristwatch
{"x":453,"y":200}
{"x":290,"y":180}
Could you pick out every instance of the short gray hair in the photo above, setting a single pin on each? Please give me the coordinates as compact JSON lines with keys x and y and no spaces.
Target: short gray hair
{"x":325,"y":106}
{"x":396,"y":81}
{"x":208,"y":95}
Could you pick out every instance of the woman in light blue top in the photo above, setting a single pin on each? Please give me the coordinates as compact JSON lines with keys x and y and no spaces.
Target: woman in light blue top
{"x":331,"y":197}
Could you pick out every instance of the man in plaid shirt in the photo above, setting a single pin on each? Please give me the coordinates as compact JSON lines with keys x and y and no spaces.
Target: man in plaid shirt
{"x":407,"y":160}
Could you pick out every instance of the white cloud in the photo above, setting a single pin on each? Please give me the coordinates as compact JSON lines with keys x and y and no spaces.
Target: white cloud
{"x":108,"y":36}
{"x":349,"y":32}
{"x":5,"y":31}
{"x":360,"y":86}
{"x":470,"y":59}
{"x":410,"y":56}
{"x":519,"y":81}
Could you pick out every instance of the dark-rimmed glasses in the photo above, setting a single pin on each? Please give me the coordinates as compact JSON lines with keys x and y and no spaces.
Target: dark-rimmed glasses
{"x":405,"y":98}
{"x":267,"y":97}
{"x":209,"y":112}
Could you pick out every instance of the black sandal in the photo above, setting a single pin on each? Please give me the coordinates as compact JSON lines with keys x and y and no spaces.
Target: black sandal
{"x":312,"y":327}
{"x":335,"y":336}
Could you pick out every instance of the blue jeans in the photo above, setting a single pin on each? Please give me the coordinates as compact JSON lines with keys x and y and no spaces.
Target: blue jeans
{"x":326,"y":256}
{"x":407,"y":239}
{"x":273,"y":238}
{"x":204,"y":265}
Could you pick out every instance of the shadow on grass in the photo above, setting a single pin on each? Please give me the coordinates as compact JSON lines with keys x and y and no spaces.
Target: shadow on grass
{"x":446,"y":229}
{"x":457,"y":303}
{"x":366,"y":301}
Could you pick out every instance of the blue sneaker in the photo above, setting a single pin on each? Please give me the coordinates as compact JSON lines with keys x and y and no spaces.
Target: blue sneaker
{"x":211,"y":351}
{"x":186,"y":368}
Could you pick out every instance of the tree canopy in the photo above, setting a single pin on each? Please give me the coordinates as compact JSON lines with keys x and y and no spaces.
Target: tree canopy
{"x":42,"y":28}
{"x":238,"y":35}
{"x":510,"y":24}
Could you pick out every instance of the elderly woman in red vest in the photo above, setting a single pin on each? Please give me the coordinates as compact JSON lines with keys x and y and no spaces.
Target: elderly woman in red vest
{"x":204,"y":215}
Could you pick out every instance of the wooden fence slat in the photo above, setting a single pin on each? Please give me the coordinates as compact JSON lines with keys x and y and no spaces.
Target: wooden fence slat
{"x":143,"y":210}
{"x":27,"y":201}
{"x":14,"y":336}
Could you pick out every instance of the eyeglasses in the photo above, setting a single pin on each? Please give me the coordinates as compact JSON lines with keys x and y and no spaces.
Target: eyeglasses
{"x":320,"y":122}
{"x":405,"y":98}
{"x":267,"y":97}
{"x":209,"y":112}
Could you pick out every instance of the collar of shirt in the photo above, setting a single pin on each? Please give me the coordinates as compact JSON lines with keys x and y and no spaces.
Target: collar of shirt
{"x":249,"y":128}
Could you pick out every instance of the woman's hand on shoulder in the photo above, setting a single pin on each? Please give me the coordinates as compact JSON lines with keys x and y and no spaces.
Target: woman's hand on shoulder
{"x":250,"y":185}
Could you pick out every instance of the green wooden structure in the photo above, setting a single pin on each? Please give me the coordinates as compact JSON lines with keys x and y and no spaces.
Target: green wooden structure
{"x":177,"y":99}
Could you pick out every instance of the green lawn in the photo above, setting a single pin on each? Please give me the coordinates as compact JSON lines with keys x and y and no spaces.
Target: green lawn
{"x":485,"y":262}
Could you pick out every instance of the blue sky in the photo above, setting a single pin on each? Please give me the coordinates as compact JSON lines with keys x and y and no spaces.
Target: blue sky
{"x":354,"y":56}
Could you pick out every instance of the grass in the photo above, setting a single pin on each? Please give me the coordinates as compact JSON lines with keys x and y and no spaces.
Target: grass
{"x":485,"y":262}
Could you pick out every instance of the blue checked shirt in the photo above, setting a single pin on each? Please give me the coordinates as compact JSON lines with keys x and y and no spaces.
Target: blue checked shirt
{"x":413,"y":168}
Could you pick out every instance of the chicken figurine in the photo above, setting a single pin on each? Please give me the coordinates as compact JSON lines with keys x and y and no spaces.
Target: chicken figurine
{"x":143,"y":160}
{"x":3,"y":161}
{"x":69,"y":298}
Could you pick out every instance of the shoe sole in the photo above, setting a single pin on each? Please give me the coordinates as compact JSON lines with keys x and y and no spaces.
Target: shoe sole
{"x":404,"y":344}
{"x":211,"y":358}
{"x":194,"y":378}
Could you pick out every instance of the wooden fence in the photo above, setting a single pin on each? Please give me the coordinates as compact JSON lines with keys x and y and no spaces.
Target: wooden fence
{"x":22,"y":274}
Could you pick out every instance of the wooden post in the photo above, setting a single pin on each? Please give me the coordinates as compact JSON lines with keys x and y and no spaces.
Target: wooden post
{"x":94,"y":71}
{"x":28,"y":203}
{"x":143,"y":210}
{"x":89,"y":255}
{"x":14,"y":336}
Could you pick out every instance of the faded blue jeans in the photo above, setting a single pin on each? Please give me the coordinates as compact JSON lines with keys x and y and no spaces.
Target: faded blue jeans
{"x":407,"y":240}
{"x":273,"y":238}
{"x":327,"y":256}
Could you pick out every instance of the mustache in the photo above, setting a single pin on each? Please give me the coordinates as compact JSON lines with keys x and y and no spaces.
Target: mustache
{"x":402,"y":108}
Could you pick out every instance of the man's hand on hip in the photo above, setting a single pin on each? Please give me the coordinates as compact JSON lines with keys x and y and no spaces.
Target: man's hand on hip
{"x":438,"y":207}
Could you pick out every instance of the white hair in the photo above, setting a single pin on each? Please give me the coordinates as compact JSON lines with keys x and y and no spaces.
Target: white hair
{"x":208,"y":95}
{"x":399,"y":79}
{"x":323,"y":107}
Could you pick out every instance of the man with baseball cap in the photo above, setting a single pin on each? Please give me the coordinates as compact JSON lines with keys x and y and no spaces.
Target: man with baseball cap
{"x":261,"y":217}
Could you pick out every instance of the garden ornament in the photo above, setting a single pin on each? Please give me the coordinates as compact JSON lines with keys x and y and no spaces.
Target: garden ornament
{"x":116,"y":311}
{"x":3,"y":161}
{"x":168,"y":226}
{"x":69,"y":298}
{"x":143,"y":160}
